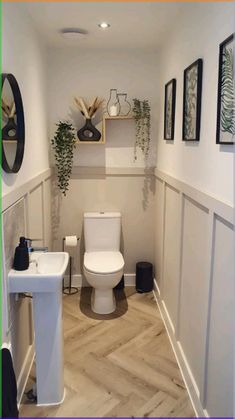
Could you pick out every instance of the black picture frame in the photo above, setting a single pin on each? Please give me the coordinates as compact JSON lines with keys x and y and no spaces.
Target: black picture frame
{"x":227,"y":110}
{"x":20,"y":127}
{"x":169,"y":110}
{"x":192,"y":101}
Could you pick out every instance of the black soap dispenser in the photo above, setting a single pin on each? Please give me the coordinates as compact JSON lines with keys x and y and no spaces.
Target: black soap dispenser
{"x":21,"y":259}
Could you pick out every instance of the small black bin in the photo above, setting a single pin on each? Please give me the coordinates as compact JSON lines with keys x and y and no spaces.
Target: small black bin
{"x":144,"y":277}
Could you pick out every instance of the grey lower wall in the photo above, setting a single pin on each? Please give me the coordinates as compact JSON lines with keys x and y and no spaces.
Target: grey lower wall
{"x":195,"y":286}
{"x":26,"y":212}
{"x":132,"y":194}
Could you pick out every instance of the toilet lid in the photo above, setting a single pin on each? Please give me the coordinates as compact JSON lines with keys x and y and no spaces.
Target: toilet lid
{"x":103,"y":262}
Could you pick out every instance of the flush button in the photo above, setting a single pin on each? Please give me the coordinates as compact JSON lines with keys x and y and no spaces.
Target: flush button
{"x":101,"y":212}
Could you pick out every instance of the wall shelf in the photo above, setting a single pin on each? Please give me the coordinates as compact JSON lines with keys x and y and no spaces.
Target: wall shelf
{"x":105,"y":119}
{"x":9,"y":141}
{"x":91,"y":142}
{"x":120,"y":117}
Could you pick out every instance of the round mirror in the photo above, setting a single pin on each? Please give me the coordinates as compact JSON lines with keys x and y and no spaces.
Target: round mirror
{"x":13,"y":131}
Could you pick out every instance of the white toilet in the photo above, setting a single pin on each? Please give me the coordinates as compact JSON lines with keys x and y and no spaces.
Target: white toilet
{"x":103,"y":262}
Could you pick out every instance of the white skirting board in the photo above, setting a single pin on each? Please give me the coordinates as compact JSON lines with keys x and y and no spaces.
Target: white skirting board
{"x":180,"y":357}
{"x":79,"y":280}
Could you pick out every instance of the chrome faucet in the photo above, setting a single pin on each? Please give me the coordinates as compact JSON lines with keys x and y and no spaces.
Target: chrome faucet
{"x":35,"y":249}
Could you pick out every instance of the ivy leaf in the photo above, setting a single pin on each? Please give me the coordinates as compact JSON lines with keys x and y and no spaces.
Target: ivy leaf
{"x":63,"y":144}
{"x":141,"y":112}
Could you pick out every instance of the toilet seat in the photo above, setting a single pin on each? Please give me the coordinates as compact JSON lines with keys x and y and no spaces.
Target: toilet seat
{"x":103,"y":262}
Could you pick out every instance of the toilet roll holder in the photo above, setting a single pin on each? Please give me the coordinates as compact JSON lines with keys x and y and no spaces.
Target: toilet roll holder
{"x":69,"y":290}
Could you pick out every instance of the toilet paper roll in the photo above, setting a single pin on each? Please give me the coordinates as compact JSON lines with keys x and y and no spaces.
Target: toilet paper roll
{"x":71,"y":241}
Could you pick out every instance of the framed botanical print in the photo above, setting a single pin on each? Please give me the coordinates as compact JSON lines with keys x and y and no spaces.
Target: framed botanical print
{"x":192,"y":101}
{"x":169,"y":110}
{"x":225,"y":133}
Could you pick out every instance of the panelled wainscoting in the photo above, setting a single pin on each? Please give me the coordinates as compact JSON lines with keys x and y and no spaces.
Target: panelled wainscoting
{"x":193,"y":259}
{"x":194,"y":289}
{"x":25,"y":212}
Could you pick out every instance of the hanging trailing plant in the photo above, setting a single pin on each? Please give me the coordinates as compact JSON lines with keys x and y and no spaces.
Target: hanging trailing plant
{"x":63,"y":144}
{"x":141,"y":113}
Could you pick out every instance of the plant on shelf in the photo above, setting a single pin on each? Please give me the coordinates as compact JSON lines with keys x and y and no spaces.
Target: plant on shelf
{"x":89,"y":132}
{"x":63,"y":144}
{"x":141,"y":113}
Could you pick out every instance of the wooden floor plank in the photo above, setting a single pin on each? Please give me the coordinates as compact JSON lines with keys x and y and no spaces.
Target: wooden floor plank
{"x":119,"y":365}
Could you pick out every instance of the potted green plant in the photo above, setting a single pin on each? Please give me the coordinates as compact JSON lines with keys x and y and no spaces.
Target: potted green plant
{"x":141,"y":113}
{"x":63,"y":145}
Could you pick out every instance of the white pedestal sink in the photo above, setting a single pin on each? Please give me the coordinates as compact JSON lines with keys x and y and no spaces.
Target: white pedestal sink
{"x":43,"y":279}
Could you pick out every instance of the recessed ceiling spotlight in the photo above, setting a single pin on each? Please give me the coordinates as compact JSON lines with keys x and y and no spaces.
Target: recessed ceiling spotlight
{"x":73,"y":33}
{"x":104,"y":25}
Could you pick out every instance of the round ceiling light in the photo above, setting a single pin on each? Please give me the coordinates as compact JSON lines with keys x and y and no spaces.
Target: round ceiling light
{"x":73,"y":33}
{"x":104,"y":25}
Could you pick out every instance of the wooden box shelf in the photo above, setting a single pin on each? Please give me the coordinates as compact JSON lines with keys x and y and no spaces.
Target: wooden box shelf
{"x":105,"y":119}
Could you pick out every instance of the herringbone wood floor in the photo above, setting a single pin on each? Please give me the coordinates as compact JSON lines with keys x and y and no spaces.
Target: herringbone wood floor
{"x":118,"y":366}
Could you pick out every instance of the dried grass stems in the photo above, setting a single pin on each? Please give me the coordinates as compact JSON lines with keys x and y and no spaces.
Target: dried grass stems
{"x":89,"y":111}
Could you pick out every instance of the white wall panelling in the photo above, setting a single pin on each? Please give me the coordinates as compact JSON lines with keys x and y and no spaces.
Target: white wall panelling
{"x":195,"y":291}
{"x":35,"y":213}
{"x":159,"y":230}
{"x":193,"y":300}
{"x":47,"y":212}
{"x":26,"y":211}
{"x":221,"y":322}
{"x":171,"y":250}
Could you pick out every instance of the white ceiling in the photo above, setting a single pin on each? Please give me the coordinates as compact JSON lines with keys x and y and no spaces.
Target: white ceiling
{"x":133,"y":25}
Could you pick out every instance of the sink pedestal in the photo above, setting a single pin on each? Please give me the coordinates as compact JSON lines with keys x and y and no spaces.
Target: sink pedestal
{"x":47,"y":309}
{"x":43,"y":279}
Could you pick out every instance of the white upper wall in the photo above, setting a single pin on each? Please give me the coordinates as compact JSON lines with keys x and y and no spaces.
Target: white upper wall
{"x":75,"y":72}
{"x":71,"y":71}
{"x":204,"y":165}
{"x":23,"y":55}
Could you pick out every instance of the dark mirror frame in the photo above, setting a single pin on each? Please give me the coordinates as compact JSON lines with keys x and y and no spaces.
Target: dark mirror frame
{"x":20,"y":130}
